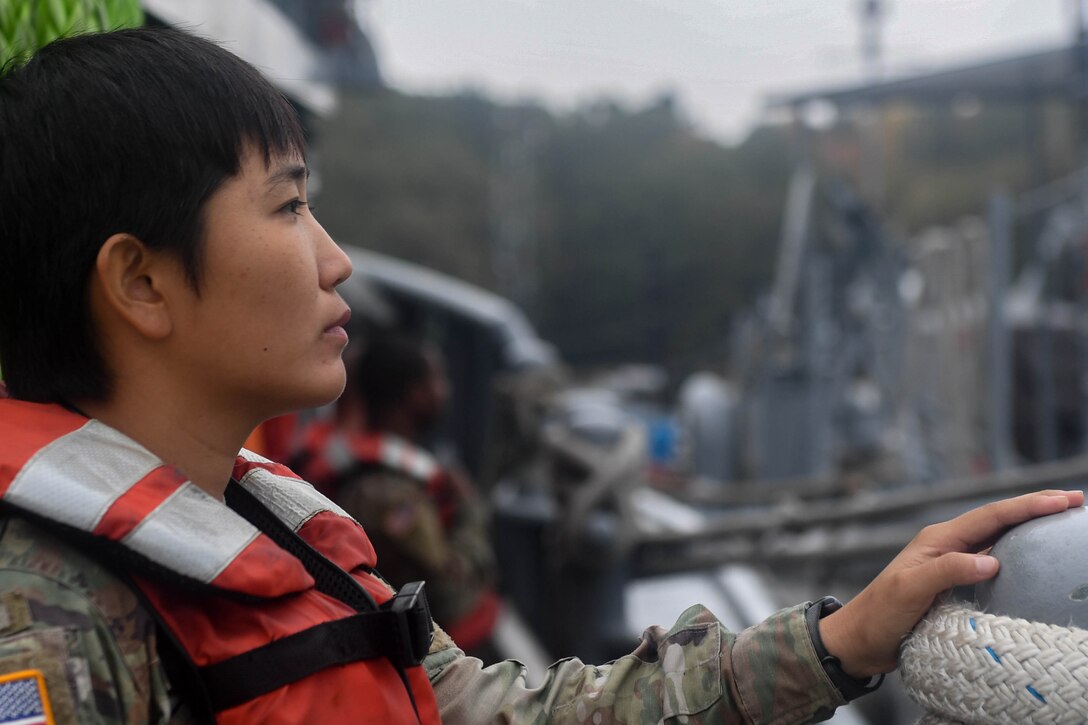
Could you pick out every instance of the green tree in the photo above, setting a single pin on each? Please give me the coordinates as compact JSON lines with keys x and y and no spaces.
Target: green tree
{"x":655,"y":237}
{"x":408,"y":176}
{"x":648,"y":238}
{"x":26,"y":25}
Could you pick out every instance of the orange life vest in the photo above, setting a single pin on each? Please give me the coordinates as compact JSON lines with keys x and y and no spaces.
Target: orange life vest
{"x":242,"y":591}
{"x":331,"y":455}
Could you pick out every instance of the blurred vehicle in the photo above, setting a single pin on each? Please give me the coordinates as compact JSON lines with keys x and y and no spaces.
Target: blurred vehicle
{"x":566,"y":467}
{"x":563,"y":465}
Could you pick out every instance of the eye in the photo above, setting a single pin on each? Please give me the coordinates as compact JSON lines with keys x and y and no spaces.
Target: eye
{"x":295,"y":206}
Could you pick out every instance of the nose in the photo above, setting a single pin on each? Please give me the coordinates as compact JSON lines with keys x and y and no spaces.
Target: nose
{"x":334,"y":263}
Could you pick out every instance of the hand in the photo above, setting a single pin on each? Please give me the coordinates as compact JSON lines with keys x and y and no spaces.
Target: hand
{"x":865,"y":634}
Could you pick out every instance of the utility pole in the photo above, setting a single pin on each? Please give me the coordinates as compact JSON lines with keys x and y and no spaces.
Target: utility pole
{"x":870,"y":118}
{"x":872,"y":21}
{"x":512,"y":205}
{"x":1080,"y":113}
{"x":1080,"y":48}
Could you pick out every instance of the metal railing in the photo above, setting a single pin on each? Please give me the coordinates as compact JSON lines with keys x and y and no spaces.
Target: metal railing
{"x":786,"y":525}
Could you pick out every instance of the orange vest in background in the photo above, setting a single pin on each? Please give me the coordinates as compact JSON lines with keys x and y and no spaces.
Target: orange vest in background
{"x":274,"y":438}
{"x":331,"y":456}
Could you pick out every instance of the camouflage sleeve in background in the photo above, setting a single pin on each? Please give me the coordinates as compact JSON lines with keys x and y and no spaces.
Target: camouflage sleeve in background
{"x":696,"y":672}
{"x":83,"y":628}
{"x":403,"y":523}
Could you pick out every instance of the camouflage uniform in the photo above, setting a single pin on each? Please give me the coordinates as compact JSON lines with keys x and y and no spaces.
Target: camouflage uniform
{"x":426,"y":522}
{"x":696,"y":672}
{"x":405,"y":527}
{"x":67,"y":616}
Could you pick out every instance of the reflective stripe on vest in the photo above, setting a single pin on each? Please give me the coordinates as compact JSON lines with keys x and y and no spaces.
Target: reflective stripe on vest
{"x":344,"y":451}
{"x":289,"y":497}
{"x":333,"y":456}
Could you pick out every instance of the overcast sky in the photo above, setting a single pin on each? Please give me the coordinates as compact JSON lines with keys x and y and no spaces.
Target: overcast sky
{"x":719,"y":57}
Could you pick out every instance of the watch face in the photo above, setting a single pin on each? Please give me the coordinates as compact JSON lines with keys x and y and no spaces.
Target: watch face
{"x":849,"y":687}
{"x":829,"y":605}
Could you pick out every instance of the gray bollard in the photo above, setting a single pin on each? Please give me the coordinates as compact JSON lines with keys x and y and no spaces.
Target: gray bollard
{"x":1044,"y":571}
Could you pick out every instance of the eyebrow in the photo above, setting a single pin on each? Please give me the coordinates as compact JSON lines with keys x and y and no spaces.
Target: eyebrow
{"x":293,"y":174}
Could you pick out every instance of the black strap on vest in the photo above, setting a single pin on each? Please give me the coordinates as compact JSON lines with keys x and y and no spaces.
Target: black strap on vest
{"x":188,"y":688}
{"x":328,"y":577}
{"x":400,"y":630}
{"x":289,"y":659}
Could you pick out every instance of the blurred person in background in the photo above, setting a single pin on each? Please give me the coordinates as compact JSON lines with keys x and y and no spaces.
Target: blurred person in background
{"x":425,"y":518}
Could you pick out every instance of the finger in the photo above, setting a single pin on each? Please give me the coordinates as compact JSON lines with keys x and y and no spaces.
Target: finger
{"x":947,"y":571}
{"x":981,"y":525}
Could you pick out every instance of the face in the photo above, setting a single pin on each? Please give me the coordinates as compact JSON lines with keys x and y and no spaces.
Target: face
{"x":264,"y":334}
{"x":431,"y":394}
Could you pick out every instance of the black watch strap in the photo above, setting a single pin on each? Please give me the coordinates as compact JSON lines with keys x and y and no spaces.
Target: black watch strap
{"x":849,"y":687}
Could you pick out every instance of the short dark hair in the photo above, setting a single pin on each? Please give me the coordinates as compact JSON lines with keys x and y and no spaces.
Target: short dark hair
{"x":128,"y":131}
{"x":390,"y":366}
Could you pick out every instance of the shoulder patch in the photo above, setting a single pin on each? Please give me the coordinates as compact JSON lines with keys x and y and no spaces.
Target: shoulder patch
{"x":24,"y":699}
{"x":14,"y":613}
{"x":44,"y":652}
{"x":400,"y":519}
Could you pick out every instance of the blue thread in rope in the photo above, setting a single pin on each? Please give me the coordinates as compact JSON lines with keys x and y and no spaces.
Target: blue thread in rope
{"x":988,"y":649}
{"x":997,"y":659}
{"x":1036,"y":694}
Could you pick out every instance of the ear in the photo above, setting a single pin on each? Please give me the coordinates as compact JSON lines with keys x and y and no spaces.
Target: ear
{"x":419,"y":396}
{"x":133,"y":281}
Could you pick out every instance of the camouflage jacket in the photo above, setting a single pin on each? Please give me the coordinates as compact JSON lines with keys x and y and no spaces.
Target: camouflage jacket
{"x":404,"y":525}
{"x":67,"y":616}
{"x":421,"y":531}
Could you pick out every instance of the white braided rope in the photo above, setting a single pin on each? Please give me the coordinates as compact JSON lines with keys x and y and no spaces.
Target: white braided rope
{"x":966,"y":666}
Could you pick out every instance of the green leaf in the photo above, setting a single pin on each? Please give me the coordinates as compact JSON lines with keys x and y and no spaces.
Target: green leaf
{"x":56,"y":17}
{"x":26,"y":25}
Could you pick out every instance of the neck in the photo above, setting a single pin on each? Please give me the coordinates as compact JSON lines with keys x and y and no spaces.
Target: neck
{"x":350,"y":416}
{"x":398,"y":424}
{"x":200,"y":445}
{"x":353,"y":418}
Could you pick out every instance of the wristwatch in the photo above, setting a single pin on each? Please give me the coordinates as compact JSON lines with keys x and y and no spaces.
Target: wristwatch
{"x":849,"y":687}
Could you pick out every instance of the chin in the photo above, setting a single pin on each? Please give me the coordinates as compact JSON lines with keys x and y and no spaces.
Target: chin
{"x":330,"y":390}
{"x":317,"y":391}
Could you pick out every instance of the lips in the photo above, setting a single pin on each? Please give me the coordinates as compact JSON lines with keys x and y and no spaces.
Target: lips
{"x":340,"y":322}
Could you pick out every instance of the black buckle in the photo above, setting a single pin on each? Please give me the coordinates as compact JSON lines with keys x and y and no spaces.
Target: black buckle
{"x":413,"y":629}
